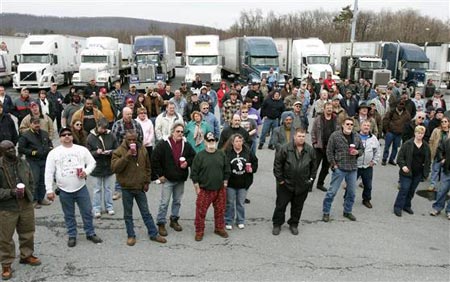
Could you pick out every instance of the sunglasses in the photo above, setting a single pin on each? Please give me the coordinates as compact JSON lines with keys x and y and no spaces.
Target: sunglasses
{"x":420,"y":117}
{"x":78,"y":124}
{"x":210,"y":140}
{"x":179,"y":131}
{"x":65,"y":135}
{"x":350,"y":124}
{"x":244,"y":112}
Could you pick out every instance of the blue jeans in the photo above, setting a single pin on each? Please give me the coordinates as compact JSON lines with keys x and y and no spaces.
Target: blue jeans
{"x":141,"y":200}
{"x":268,"y":124}
{"x":336,"y":179}
{"x":117,"y":187}
{"x":391,"y":138}
{"x":442,"y":194}
{"x":435,"y":169}
{"x":235,"y":203}
{"x":83,"y":200}
{"x":38,"y":171}
{"x":366,"y":175}
{"x":168,"y":189}
{"x":103,"y":187}
{"x":408,"y":186}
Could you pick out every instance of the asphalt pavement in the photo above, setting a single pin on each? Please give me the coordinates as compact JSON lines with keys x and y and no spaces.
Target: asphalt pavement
{"x":379,"y":246}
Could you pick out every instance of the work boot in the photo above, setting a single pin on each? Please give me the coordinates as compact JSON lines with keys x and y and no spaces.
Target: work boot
{"x":162,"y":229}
{"x":131,"y":241}
{"x":6,"y":271}
{"x":158,"y":239}
{"x":221,"y":232}
{"x":174,"y":224}
{"x":31,"y":260}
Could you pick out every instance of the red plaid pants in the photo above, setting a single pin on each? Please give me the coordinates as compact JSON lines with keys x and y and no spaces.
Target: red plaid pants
{"x":204,"y":199}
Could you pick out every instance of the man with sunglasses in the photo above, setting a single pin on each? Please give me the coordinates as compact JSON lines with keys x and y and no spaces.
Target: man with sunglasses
{"x":69,"y":165}
{"x":343,"y":149}
{"x":170,"y":162}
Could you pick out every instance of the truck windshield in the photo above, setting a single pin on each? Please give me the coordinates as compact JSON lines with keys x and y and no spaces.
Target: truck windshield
{"x":417,"y":65}
{"x":370,"y":64}
{"x":318,"y":60}
{"x":264,"y":61}
{"x":203,"y":60}
{"x":94,"y":59}
{"x":147,"y":58}
{"x":34,"y":59}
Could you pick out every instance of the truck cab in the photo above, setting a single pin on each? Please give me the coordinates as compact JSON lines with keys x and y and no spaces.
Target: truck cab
{"x":153,"y":60}
{"x":258,"y":56}
{"x":367,"y":67}
{"x":408,"y":63}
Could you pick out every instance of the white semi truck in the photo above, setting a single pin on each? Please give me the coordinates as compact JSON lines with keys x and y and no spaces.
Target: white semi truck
{"x":105,"y":60}
{"x":9,"y":46}
{"x":47,"y":59}
{"x":154,"y":59}
{"x":202,"y":58}
{"x":298,"y":57}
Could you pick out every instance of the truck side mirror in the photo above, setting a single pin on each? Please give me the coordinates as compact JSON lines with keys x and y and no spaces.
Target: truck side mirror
{"x":55,"y":59}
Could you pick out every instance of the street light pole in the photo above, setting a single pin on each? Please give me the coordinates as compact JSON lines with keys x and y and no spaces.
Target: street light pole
{"x":352,"y":38}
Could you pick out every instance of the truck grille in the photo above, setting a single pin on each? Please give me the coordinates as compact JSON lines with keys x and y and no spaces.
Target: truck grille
{"x":265,"y":74}
{"x":205,"y":77}
{"x":381,"y":77}
{"x":28,"y":76}
{"x":146,"y":73}
{"x":88,"y":74}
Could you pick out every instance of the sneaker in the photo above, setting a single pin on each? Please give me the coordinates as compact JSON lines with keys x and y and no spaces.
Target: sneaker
{"x":97,"y":215}
{"x":111,"y":212}
{"x":241,"y":226}
{"x":159,"y":239}
{"x":94,"y":239}
{"x":434,"y":213}
{"x":326,"y":217}
{"x":131,"y":241}
{"x":294,"y":229}
{"x":221,"y":232}
{"x":367,"y":204}
{"x":72,"y":242}
{"x":228,"y":227}
{"x":276,"y":230}
{"x":350,"y":216}
{"x":198,"y":237}
{"x":117,"y":195}
{"x":31,"y":260}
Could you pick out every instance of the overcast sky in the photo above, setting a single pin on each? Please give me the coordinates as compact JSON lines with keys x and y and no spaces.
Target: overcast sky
{"x":214,"y":13}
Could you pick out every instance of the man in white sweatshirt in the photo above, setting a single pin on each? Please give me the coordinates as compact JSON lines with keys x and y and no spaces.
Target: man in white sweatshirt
{"x":70,"y":164}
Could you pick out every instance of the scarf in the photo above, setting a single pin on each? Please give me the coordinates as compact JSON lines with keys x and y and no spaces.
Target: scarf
{"x":198,"y":135}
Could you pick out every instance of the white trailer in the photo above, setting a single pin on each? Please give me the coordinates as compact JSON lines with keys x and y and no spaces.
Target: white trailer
{"x":9,"y":47}
{"x":202,"y":58}
{"x":102,"y":60}
{"x":440,"y":60}
{"x":47,"y":59}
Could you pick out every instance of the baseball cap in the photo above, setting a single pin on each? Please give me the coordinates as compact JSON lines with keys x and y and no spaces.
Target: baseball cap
{"x":440,"y":110}
{"x":103,"y":90}
{"x":129,"y":100}
{"x":210,"y":137}
{"x":32,"y":104}
{"x":297,"y":103}
{"x":64,"y":129}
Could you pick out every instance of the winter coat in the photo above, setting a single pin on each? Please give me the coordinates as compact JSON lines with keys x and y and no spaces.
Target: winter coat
{"x":106,"y":142}
{"x":371,"y":151}
{"x":394,"y":121}
{"x":294,"y":168}
{"x":35,"y":146}
{"x":405,"y":158}
{"x":132,"y":172}
{"x":317,"y":131}
{"x":189,"y":132}
{"x":338,"y":150}
{"x":239,"y":177}
{"x":163,"y":163}
{"x":8,"y":129}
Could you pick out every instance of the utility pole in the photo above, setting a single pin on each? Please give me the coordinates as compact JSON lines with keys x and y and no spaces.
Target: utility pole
{"x":352,"y":38}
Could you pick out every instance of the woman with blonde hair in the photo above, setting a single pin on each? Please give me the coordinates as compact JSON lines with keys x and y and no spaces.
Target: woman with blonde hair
{"x":196,"y":130}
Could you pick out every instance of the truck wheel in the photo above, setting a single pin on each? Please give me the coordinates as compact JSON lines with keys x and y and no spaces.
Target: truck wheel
{"x":411,"y":89}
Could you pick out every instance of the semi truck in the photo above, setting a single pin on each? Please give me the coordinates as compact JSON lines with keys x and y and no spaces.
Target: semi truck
{"x":47,"y":59}
{"x":104,"y":60}
{"x":408,"y":63}
{"x":298,"y":57}
{"x":250,"y":58}
{"x":202,"y":58}
{"x":153,"y":60}
{"x":9,"y":46}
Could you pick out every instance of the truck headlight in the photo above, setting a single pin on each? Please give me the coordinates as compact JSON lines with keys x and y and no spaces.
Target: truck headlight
{"x":45,"y":79}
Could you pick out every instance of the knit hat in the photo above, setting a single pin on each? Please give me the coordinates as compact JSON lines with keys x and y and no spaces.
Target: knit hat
{"x":286,"y":114}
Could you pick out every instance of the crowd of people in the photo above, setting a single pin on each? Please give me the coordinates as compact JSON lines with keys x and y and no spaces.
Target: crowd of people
{"x":124,"y":140}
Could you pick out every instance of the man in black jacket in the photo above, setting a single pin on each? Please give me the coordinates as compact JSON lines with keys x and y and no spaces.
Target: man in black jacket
{"x":35,"y":144}
{"x":234,"y":128}
{"x":294,"y":168}
{"x":170,"y":162}
{"x":271,"y":111}
{"x":8,"y":129}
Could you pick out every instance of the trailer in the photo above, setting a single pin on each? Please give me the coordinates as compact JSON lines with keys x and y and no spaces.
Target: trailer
{"x":202,"y":58}
{"x":439,"y":55}
{"x":9,"y":47}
